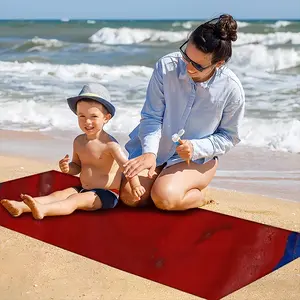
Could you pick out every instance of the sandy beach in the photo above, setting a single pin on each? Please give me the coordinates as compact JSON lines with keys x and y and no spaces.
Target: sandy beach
{"x":263,"y":188}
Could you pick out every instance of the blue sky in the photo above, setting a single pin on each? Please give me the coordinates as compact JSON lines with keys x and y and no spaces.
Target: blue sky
{"x":149,"y":9}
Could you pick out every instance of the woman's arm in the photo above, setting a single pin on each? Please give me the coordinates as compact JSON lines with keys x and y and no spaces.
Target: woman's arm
{"x":152,"y":113}
{"x":150,"y":127}
{"x":227,"y":134}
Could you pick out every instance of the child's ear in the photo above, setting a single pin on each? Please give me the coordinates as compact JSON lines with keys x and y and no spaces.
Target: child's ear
{"x":107,"y":118}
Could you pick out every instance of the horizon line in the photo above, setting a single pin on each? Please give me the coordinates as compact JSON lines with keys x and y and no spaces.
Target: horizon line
{"x":141,"y":19}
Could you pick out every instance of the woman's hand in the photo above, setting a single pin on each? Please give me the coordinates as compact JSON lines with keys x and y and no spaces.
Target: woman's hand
{"x":145,"y":161}
{"x":185,"y":150}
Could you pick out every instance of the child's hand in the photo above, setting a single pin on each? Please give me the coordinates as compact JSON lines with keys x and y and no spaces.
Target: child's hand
{"x":138,"y":191}
{"x":64,"y":164}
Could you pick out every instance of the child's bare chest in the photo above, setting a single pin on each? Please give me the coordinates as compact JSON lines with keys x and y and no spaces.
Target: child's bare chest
{"x":94,"y":154}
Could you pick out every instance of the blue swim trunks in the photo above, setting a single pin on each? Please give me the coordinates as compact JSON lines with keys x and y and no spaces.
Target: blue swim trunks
{"x":109,"y":198}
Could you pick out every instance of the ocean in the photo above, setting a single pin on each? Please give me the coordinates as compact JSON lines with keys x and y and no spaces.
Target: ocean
{"x":42,"y":62}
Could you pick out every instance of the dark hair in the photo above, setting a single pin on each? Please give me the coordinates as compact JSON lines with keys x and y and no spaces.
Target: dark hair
{"x":215,"y":36}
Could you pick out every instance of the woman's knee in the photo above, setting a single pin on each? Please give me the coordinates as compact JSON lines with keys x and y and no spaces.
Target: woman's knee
{"x":165,"y":197}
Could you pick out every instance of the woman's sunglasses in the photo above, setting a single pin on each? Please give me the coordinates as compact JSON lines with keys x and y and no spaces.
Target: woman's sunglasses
{"x":194,"y":64}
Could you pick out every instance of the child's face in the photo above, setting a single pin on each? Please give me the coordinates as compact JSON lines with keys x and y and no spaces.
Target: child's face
{"x":91,"y":117}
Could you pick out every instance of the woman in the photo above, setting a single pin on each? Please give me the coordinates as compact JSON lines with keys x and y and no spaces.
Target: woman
{"x":191,"y":90}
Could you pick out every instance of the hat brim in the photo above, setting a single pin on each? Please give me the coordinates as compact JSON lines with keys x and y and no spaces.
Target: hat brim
{"x":72,"y":102}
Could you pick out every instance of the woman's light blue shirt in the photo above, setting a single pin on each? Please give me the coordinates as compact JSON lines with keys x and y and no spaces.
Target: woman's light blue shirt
{"x":210,"y":113}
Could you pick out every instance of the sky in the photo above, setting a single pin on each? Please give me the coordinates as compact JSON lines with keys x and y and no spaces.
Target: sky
{"x":149,"y":9}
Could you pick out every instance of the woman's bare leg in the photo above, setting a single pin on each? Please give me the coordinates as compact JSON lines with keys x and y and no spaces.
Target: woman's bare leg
{"x":179,"y":186}
{"x":83,"y":201}
{"x":125,"y":191}
{"x":16,"y":208}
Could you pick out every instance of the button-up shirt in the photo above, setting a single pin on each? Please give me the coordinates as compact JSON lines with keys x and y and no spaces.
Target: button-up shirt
{"x":210,"y":113}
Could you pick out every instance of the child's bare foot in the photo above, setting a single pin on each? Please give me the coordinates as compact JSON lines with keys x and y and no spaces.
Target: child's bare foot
{"x":35,"y":207}
{"x":13,"y":207}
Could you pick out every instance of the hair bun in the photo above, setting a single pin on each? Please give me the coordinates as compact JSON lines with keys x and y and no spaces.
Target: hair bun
{"x":226,"y":28}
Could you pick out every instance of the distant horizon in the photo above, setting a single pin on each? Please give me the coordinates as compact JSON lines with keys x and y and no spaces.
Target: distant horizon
{"x":143,"y":19}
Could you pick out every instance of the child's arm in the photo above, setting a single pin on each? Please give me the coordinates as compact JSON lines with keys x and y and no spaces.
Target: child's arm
{"x":74,"y":167}
{"x":137,"y":189}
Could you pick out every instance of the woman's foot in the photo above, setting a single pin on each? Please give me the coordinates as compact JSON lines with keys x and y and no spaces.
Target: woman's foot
{"x":36,"y":208}
{"x":206,"y":198}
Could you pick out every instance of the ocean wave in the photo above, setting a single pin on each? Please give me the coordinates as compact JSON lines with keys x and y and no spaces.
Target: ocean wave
{"x":32,"y":114}
{"x":128,"y":36}
{"x":72,"y":72}
{"x":279,"y":24}
{"x":275,"y":134}
{"x":276,"y":38}
{"x":39,"y":45}
{"x":249,"y":57}
{"x":260,"y":57}
{"x":108,"y":37}
{"x":186,"y":24}
{"x":33,"y":97}
{"x":242,"y":24}
{"x":191,"y":24}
